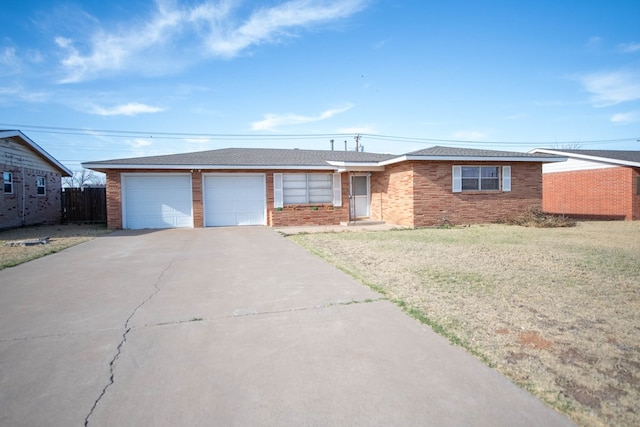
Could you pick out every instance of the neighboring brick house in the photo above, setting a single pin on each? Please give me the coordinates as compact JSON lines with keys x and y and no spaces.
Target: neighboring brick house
{"x":31,"y":180}
{"x":592,"y":184}
{"x":276,"y":187}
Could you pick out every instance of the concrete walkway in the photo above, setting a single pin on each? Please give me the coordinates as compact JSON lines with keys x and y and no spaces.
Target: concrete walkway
{"x":227,"y":326}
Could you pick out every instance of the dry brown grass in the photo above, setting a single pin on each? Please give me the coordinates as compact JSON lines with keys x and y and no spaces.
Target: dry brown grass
{"x":60,"y":237}
{"x":554,"y":309}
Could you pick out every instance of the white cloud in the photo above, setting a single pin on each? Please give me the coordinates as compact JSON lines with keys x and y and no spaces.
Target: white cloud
{"x":624,"y":118}
{"x":130,"y":109}
{"x":115,"y":51}
{"x":611,"y":88}
{"x":215,"y":26}
{"x":271,"y":24}
{"x":17,"y":92}
{"x":273,"y":121}
{"x":629,"y":47}
{"x":9,"y":62}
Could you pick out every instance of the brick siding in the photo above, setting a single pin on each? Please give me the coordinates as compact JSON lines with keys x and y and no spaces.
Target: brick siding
{"x":290,"y":215}
{"x":609,"y":193}
{"x":392,"y":195}
{"x":413,"y":194}
{"x":418,"y":194}
{"x":25,"y":206}
{"x":114,"y":200}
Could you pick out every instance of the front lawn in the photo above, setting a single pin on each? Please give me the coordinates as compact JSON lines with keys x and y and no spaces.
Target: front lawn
{"x":556,"y":310}
{"x":60,"y":237}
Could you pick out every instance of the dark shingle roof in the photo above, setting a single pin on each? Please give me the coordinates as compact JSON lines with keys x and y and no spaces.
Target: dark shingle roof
{"x":470,"y":152}
{"x":627,"y":156}
{"x":271,"y":158}
{"x":251,"y":157}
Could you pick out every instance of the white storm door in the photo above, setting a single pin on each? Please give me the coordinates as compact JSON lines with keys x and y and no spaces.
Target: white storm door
{"x":360,"y":198}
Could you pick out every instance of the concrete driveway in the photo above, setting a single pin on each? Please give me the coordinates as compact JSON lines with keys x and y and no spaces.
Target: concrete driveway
{"x":227,"y":326}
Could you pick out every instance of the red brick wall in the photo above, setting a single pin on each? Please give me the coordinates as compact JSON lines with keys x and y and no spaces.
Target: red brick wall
{"x":635,"y":178}
{"x":593,"y":194}
{"x":307,"y":215}
{"x":413,"y":194}
{"x":392,"y":195}
{"x":290,"y":215}
{"x":419,"y":194}
{"x":25,"y":206}
{"x":196,"y":197}
{"x":114,"y":200}
{"x":296,"y":215}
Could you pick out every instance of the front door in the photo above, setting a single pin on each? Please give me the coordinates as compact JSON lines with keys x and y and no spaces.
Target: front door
{"x":359,"y":196}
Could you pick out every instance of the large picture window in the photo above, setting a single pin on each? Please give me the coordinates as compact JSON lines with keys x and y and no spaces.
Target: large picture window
{"x":300,"y":188}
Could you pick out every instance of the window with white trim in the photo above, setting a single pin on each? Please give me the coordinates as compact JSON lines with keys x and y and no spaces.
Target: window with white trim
{"x":41,"y":185}
{"x":481,"y":178}
{"x":307,"y":188}
{"x":7,"y":178}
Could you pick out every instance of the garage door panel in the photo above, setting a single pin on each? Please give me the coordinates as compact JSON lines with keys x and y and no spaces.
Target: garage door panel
{"x":157,"y":201}
{"x":234,"y":200}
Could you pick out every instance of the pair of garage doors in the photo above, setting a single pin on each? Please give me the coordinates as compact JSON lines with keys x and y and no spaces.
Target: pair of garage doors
{"x":165,"y":200}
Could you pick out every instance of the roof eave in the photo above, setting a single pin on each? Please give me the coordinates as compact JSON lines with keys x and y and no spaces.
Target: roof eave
{"x":357,"y":166}
{"x":101,"y":167}
{"x":587,"y":157}
{"x":474,"y":159}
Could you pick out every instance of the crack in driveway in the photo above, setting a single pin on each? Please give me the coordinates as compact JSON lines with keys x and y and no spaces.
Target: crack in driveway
{"x":267,"y":312}
{"x":127,"y":329}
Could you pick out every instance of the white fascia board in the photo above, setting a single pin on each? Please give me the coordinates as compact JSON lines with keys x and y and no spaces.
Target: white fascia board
{"x":587,"y":157}
{"x":103,"y":166}
{"x":473,"y":159}
{"x":357,"y":166}
{"x":36,"y":147}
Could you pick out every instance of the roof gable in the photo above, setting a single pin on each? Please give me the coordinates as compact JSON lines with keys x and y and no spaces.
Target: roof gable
{"x":39,"y":151}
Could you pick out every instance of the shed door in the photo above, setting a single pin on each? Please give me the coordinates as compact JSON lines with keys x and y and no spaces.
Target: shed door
{"x":156,"y":201}
{"x":234,"y":199}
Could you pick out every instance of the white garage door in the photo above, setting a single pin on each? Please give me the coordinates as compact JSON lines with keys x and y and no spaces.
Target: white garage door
{"x":156,"y":201}
{"x":234,"y":199}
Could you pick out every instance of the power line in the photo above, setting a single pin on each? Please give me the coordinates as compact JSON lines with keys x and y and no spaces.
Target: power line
{"x":464,"y":141}
{"x":112,"y":133}
{"x":165,"y":135}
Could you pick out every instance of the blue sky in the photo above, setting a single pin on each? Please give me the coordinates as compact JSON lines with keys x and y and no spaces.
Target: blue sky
{"x":90,"y":80}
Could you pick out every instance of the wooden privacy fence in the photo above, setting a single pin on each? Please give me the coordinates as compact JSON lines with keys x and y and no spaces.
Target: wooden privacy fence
{"x":84,"y":205}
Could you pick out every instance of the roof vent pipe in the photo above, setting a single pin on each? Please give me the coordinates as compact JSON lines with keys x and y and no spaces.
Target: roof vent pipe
{"x":345,"y":145}
{"x":331,"y":141}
